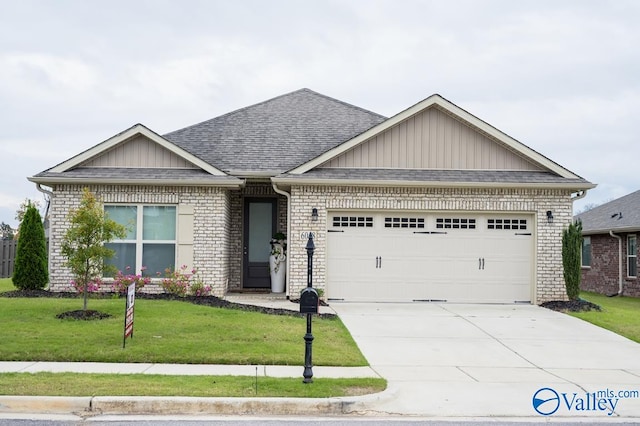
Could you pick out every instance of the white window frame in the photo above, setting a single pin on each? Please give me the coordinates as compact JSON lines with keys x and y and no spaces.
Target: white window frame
{"x":632,"y":257}
{"x":139,"y":241}
{"x":584,"y":240}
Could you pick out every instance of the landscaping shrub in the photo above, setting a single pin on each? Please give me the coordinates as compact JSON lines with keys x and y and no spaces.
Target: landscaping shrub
{"x":571,"y":252}
{"x":30,"y":268}
{"x":121,"y":282}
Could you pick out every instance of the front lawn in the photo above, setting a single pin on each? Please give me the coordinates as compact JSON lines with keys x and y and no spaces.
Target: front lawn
{"x":619,"y":314}
{"x":166,"y":332}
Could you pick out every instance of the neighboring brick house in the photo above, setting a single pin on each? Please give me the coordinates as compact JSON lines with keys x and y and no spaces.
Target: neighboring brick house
{"x":609,"y":249}
{"x":430,"y":204}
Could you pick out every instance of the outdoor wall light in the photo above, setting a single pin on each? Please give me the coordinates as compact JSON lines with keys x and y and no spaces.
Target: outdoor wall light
{"x":314,"y":215}
{"x":549,"y":216}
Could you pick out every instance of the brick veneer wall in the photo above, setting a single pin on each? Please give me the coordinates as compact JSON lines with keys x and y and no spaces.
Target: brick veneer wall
{"x":549,"y":283}
{"x":603,"y":274}
{"x":211,"y":226}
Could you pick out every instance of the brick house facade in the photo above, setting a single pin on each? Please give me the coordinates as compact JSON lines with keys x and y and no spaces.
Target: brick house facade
{"x":608,"y":260}
{"x":305,"y":152}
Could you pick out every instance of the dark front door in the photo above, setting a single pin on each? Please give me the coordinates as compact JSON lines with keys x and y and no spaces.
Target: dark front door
{"x":259,"y":226}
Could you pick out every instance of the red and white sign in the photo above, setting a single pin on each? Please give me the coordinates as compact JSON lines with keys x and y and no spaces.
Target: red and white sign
{"x":128,"y":317}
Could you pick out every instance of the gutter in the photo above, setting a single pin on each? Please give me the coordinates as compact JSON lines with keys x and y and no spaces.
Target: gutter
{"x":432,"y":184}
{"x":288,"y":195}
{"x":620,"y":281}
{"x":580,"y":195}
{"x":233,"y":183}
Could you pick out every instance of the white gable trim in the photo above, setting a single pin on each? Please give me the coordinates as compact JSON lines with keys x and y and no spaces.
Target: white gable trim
{"x":453,"y":110}
{"x":138,"y":129}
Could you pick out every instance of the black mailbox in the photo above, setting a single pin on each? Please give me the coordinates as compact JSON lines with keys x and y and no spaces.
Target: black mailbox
{"x":309,"y":301}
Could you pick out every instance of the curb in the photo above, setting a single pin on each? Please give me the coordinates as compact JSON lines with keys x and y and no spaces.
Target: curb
{"x":44,"y":404}
{"x":93,"y":406}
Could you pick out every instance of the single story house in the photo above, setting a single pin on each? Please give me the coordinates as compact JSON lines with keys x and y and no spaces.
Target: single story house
{"x":610,"y":247}
{"x":432,"y":204}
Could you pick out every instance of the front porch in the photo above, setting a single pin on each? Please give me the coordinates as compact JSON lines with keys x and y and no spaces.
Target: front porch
{"x":257,"y":212}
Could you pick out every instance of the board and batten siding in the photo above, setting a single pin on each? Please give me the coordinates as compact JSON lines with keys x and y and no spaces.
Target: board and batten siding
{"x":431,"y":139}
{"x":139,"y":152}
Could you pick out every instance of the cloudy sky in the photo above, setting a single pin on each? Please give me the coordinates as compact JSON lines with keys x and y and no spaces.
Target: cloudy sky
{"x":562,"y":77}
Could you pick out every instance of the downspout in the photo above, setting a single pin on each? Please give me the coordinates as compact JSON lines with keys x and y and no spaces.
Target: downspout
{"x":620,"y":281}
{"x":288,"y":195}
{"x":46,"y":213}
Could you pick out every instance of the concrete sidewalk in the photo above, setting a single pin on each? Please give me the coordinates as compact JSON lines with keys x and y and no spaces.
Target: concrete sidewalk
{"x":93,"y":406}
{"x":184,"y":369}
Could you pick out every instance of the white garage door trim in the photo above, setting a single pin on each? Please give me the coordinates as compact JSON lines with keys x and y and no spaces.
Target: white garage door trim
{"x":477,"y":257}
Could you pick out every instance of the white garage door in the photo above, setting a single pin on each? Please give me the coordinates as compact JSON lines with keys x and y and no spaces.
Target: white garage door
{"x":486,"y":258}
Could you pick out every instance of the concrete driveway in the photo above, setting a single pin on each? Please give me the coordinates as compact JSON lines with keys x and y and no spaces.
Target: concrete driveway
{"x":490,"y":360}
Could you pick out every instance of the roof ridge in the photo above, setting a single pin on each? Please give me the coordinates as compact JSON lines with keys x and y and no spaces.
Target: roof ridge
{"x":341,"y":102}
{"x":303,"y":90}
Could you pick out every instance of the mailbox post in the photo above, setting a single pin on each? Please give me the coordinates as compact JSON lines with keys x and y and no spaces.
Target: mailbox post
{"x":309,"y":304}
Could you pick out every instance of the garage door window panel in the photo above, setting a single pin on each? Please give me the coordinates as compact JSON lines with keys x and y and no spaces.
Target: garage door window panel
{"x":455,"y":223}
{"x":507,"y":224}
{"x":404,"y":222}
{"x":352,"y":222}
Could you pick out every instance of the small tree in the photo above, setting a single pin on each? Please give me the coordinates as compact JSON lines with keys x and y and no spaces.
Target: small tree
{"x":6,"y":231}
{"x":30,"y":268}
{"x":83,"y":243}
{"x":571,"y":258}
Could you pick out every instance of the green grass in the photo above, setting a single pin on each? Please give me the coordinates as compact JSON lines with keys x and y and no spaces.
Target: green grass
{"x":74,"y":384}
{"x":6,"y":285}
{"x":166,"y":332}
{"x":619,"y":314}
{"x":170,"y":332}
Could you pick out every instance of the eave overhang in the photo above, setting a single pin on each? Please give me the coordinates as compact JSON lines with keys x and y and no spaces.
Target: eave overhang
{"x":290,"y":181}
{"x":227,"y":182}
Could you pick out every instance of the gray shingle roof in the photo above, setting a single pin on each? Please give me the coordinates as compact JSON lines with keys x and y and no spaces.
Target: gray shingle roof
{"x":444,"y":176}
{"x":276,"y":135}
{"x":622,"y":214}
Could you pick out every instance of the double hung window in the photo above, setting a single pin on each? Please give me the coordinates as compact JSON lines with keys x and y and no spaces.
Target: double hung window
{"x":586,"y":252}
{"x":150,"y":243}
{"x":632,"y":256}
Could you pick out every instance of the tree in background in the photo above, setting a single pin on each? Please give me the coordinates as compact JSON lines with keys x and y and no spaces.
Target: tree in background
{"x":571,"y":253}
{"x":6,"y":232}
{"x":83,"y":243}
{"x":30,"y":268}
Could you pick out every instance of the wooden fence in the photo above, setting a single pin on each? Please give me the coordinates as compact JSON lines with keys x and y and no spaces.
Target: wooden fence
{"x":7,"y":257}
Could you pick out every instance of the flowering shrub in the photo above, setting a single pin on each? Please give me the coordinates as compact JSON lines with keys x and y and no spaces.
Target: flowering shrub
{"x":198,"y":288}
{"x":181,"y":282}
{"x":176,"y":282}
{"x":92,"y":287}
{"x":121,"y":281}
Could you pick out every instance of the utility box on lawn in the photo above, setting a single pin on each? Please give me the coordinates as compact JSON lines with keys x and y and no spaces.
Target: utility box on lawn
{"x":309,"y":301}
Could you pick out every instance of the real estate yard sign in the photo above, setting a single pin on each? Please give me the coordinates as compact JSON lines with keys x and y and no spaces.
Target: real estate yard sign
{"x":128,"y":316}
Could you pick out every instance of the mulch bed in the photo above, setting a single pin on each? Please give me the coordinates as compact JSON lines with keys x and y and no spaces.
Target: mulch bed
{"x":571,"y":306}
{"x":87,"y":315}
{"x":212,"y":301}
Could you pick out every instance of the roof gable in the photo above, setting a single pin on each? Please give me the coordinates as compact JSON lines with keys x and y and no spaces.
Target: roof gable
{"x":619,"y":215}
{"x":139,"y":152}
{"x":124,"y":151}
{"x":488,"y":148}
{"x":432,"y":139}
